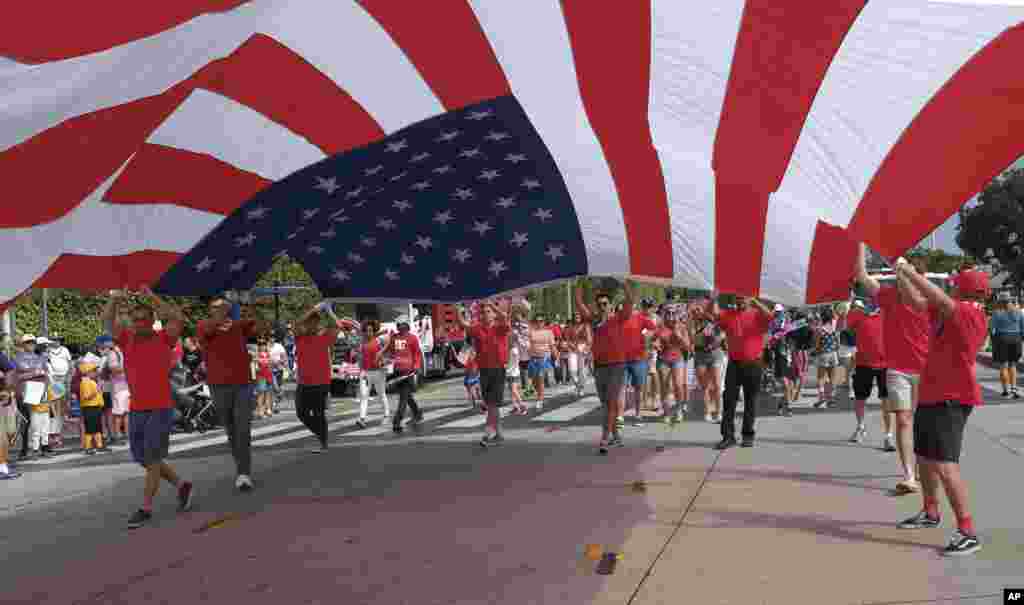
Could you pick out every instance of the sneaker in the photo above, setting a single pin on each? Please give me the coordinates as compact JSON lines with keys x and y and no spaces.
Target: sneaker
{"x":185,"y":496}
{"x":675,"y":419}
{"x":781,"y":409}
{"x":602,"y":448}
{"x":889,"y":445}
{"x":718,"y":419}
{"x":139,"y":518}
{"x":361,"y":423}
{"x":919,"y":521}
{"x":726,"y":443}
{"x":11,"y":474}
{"x":709,"y":418}
{"x":616,"y":441}
{"x":960,"y":544}
{"x":397,"y":429}
{"x":492,"y":440}
{"x":786,"y":411}
{"x":540,"y":405}
{"x":244,"y":483}
{"x":858,"y":435}
{"x":747,"y":442}
{"x":1015,"y":395}
{"x":1006,"y":394}
{"x":907,"y":486}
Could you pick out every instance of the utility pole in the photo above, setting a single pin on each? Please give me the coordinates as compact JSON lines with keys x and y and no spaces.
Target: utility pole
{"x":44,"y":326}
{"x":277,"y":304}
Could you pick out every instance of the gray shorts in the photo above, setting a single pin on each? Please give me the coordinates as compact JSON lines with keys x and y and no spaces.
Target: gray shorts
{"x":608,"y":378}
{"x":828,"y":361}
{"x":902,"y":389}
{"x":705,"y":360}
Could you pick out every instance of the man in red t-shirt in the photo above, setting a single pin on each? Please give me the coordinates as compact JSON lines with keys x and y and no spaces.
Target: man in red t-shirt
{"x":949,"y":392}
{"x":870,"y":362}
{"x":490,"y":341}
{"x":224,"y":342}
{"x":745,"y":330}
{"x":905,"y":330}
{"x":404,"y":349}
{"x":148,"y":354}
{"x":313,"y":345}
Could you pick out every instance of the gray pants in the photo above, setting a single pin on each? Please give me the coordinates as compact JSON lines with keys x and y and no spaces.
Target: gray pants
{"x":234,"y":404}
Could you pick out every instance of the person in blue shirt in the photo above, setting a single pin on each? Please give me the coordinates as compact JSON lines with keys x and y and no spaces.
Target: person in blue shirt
{"x":1007,"y":329}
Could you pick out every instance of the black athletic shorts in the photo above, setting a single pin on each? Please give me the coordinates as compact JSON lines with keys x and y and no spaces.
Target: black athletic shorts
{"x":492,"y":385}
{"x":108,"y":401}
{"x":939,"y":430}
{"x":864,"y":377}
{"x":1006,"y":350}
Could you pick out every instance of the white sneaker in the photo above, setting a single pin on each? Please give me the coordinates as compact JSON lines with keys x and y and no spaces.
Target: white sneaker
{"x":540,"y":405}
{"x":858,"y":435}
{"x":244,"y":483}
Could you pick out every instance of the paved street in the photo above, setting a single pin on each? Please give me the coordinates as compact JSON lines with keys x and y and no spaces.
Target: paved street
{"x":804,"y":517}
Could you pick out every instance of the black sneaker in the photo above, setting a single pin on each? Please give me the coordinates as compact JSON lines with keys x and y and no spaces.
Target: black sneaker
{"x":1006,"y":394}
{"x":961,"y":545}
{"x":1015,"y":394}
{"x":90,"y":452}
{"x":361,"y":423}
{"x":787,"y":412}
{"x":491,"y":440}
{"x":397,"y":429}
{"x":726,"y":443}
{"x":139,"y":518}
{"x":616,"y":441}
{"x":920,"y":521}
{"x":185,"y":496}
{"x":747,"y":442}
{"x":602,"y":448}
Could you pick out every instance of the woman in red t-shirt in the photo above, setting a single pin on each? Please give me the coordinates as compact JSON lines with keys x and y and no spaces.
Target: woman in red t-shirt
{"x":313,"y":343}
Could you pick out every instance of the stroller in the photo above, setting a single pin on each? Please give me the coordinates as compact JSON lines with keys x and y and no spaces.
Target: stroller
{"x":193,"y":401}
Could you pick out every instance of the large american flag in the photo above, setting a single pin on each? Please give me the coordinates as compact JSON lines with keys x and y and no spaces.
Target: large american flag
{"x":459,"y":149}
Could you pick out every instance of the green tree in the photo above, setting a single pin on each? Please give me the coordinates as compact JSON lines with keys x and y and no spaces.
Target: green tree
{"x":992,"y":227}
{"x":938,"y":261}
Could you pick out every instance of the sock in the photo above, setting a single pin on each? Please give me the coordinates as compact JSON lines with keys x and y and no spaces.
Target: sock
{"x":931,"y":507}
{"x":4,"y":469}
{"x":147,"y":504}
{"x":966,"y":525}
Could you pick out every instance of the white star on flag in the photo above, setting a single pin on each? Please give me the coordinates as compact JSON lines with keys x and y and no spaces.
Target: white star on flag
{"x":329,"y":234}
{"x":497,"y":267}
{"x":482,"y":227}
{"x":204,"y":264}
{"x":443,"y":169}
{"x":555,"y":253}
{"x":531,"y":184}
{"x":470,"y":153}
{"x":443,"y":280}
{"x":497,"y":136}
{"x":398,"y":177}
{"x":354,"y":193}
{"x":424,"y":242}
{"x":338,"y":217}
{"x":390,"y":274}
{"x":407,"y":259}
{"x":543,"y":214}
{"x":397,"y":146}
{"x":506,"y":202}
{"x":462,"y":255}
{"x":238,"y":266}
{"x":308,"y":214}
{"x":352,"y":256}
{"x":444,"y":217}
{"x":295,"y":234}
{"x":519,"y":239}
{"x":402,"y":205}
{"x":419,"y":157}
{"x":247,"y":240}
{"x":515,"y":158}
{"x":386,"y":224}
{"x":447,"y":136}
{"x":359,"y":204}
{"x":341,"y":275}
{"x":463,"y":194}
{"x":257,"y":213}
{"x":479,"y":115}
{"x":489,"y":175}
{"x":315,"y":250}
{"x":421,"y":186}
{"x":369,"y":242}
{"x":329,"y":185}
{"x":374,"y":170}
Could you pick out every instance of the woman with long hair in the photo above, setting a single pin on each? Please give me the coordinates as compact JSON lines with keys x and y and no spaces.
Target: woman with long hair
{"x":708,"y":338}
{"x":674,"y":346}
{"x":828,"y":358}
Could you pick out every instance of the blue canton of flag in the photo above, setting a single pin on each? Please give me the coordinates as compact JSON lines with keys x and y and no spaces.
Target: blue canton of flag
{"x":461,"y":206}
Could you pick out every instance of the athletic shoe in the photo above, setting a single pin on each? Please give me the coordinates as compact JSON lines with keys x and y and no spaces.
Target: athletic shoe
{"x":244,"y":483}
{"x":1015,"y":395}
{"x":11,"y":474}
{"x":786,"y":411}
{"x":397,"y":429}
{"x":139,"y":518}
{"x":616,"y":441}
{"x":889,"y":445}
{"x":858,"y":435}
{"x":726,"y":443}
{"x":747,"y":442}
{"x":960,"y":544}
{"x":709,"y":418}
{"x":718,"y":419}
{"x":1006,"y":394}
{"x":919,"y":521}
{"x":90,"y":452}
{"x":540,"y":405}
{"x":361,"y":423}
{"x":602,"y":448}
{"x":185,"y":496}
{"x":105,"y":447}
{"x":492,"y":440}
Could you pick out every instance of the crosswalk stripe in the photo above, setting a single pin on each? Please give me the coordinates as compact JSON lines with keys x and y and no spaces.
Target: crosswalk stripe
{"x":303,"y":434}
{"x":385,"y":427}
{"x":573,"y":410}
{"x":473,"y":421}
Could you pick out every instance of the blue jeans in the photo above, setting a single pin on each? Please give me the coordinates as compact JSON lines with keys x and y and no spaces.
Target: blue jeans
{"x":636,"y":373}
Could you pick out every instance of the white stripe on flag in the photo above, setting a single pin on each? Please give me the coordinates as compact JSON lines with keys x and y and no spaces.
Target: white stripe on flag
{"x":96,"y":228}
{"x":532,"y":45}
{"x":691,"y":56}
{"x":573,"y":410}
{"x":214,"y":125}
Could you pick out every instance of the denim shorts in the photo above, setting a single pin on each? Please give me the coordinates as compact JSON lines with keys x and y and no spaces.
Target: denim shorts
{"x":149,"y":435}
{"x":636,"y":372}
{"x":672,"y":365}
{"x":539,"y":365}
{"x":471,"y":379}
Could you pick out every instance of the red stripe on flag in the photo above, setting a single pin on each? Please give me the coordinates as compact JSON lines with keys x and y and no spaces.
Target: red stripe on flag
{"x":37,"y":32}
{"x":302,"y":98}
{"x":833,"y":253}
{"x":75,"y":271}
{"x":782,"y":53}
{"x":613,"y":70}
{"x":971,"y":130}
{"x":455,"y":58}
{"x":159,"y":174}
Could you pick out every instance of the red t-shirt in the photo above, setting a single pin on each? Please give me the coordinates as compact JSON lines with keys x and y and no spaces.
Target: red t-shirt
{"x":949,"y":373}
{"x":870,"y":339}
{"x":226,"y":353}
{"x":370,"y":353}
{"x":405,"y":349}
{"x":745,"y":332}
{"x":313,"y":356}
{"x":906,"y":333}
{"x":607,"y":338}
{"x":147,"y":365}
{"x":633,"y":343}
{"x":556,"y":330}
{"x":671,"y":346}
{"x":491,"y":343}
{"x":263,"y":364}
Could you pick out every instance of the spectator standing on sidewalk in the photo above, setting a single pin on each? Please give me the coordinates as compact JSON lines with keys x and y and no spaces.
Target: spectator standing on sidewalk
{"x":31,"y":384}
{"x":8,"y":418}
{"x":224,"y":342}
{"x":1007,"y":329}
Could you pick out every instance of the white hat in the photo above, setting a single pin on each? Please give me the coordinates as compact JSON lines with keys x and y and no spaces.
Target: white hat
{"x":858,"y":303}
{"x":42,"y":340}
{"x":28,"y":338}
{"x":779,"y":308}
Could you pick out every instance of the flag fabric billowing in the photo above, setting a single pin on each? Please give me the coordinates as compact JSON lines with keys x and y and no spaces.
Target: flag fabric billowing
{"x":460,"y":150}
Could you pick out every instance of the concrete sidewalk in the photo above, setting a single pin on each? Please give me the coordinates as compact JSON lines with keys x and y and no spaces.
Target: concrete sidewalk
{"x":803,"y":517}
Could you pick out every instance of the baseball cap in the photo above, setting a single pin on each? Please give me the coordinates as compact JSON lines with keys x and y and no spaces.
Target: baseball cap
{"x":972,"y":282}
{"x":42,"y":340}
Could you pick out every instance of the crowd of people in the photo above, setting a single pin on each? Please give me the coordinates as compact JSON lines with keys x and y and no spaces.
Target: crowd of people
{"x":913,"y":342}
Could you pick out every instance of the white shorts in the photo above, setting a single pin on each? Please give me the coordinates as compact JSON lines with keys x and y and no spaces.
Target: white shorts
{"x":121,"y":401}
{"x":574,"y":363}
{"x":846,"y":353}
{"x":512,"y":371}
{"x":902,"y":389}
{"x":827,"y":361}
